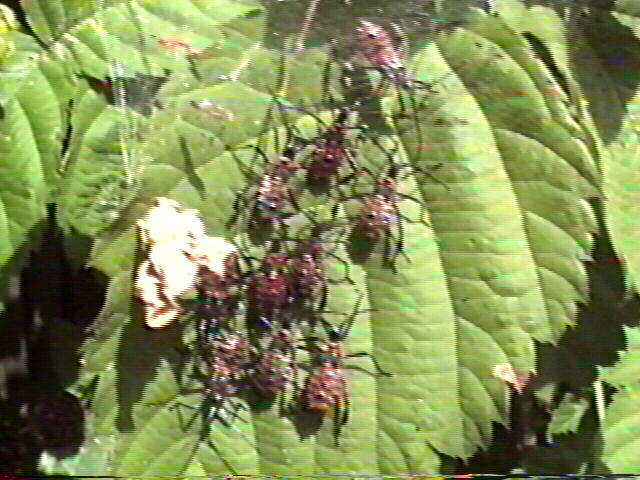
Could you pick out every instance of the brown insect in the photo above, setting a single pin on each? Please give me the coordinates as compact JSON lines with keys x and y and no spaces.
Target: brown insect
{"x":377,"y":47}
{"x":308,"y":264}
{"x":331,"y":150}
{"x":232,"y":354}
{"x":326,"y":385}
{"x":274,"y":195}
{"x":377,"y":214}
{"x":379,"y":210}
{"x":271,"y":288}
{"x":275,"y":368}
{"x":226,"y":359}
{"x":218,"y":295}
{"x":375,"y":44}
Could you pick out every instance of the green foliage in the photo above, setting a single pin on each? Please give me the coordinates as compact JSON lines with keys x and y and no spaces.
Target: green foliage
{"x":567,"y":416}
{"x":34,"y":97}
{"x":526,"y":259}
{"x":620,"y":439}
{"x":625,"y":372}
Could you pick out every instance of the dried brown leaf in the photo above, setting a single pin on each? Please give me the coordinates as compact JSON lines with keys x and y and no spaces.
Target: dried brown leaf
{"x":176,"y":250}
{"x":215,"y":254}
{"x":168,"y":222}
{"x":516,"y":380}
{"x":158,"y":311}
{"x":175,"y":270}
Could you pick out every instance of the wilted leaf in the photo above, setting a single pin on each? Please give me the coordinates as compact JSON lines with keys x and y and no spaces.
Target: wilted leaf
{"x":177,"y":251}
{"x":516,"y":380}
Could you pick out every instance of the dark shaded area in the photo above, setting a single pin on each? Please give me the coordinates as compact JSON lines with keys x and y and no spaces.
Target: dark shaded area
{"x":618,"y":51}
{"x":543,"y":53}
{"x":569,"y":454}
{"x":21,"y":16}
{"x":576,"y":453}
{"x":360,"y":247}
{"x":138,"y":358}
{"x":66,"y":139}
{"x":513,"y":442}
{"x":47,"y":295}
{"x":306,"y":423}
{"x":571,"y":367}
{"x":58,"y":420}
{"x":598,"y":335}
{"x":139,"y":94}
{"x":418,"y":20}
{"x":606,"y":54}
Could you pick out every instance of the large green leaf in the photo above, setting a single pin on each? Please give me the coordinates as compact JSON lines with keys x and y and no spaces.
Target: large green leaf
{"x":620,"y":440}
{"x":34,"y":96}
{"x":120,"y":37}
{"x":498,"y":266}
{"x":101,"y":167}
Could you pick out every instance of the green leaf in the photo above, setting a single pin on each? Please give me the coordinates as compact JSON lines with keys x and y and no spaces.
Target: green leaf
{"x":19,"y":67}
{"x":546,"y":157}
{"x":120,"y":38}
{"x":621,"y":444}
{"x":567,"y":416}
{"x":101,"y":167}
{"x":626,"y":372}
{"x":31,"y":131}
{"x":509,"y":227}
{"x":496,"y":264}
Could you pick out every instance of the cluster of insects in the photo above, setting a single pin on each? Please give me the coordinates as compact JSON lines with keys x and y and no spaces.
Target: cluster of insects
{"x":281,"y":296}
{"x":279,"y":299}
{"x":329,"y":159}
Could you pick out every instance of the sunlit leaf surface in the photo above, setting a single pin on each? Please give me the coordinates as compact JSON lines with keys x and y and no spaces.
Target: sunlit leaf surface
{"x":174,"y":99}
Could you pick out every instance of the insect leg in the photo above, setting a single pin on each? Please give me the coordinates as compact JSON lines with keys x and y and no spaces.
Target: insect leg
{"x":221,"y":457}
{"x":428,"y":173}
{"x":340,"y":416}
{"x":399,"y":246}
{"x":379,"y":369}
{"x":414,"y":108}
{"x":324,"y":296}
{"x":347,"y":269}
{"x":423,"y":210}
{"x":347,"y":405}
